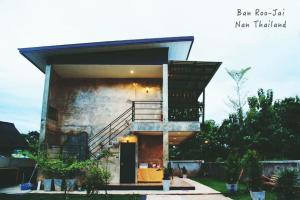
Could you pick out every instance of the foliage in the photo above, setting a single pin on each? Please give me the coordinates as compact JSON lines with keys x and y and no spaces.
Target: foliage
{"x":286,"y":182}
{"x":288,"y":112}
{"x":266,"y":127}
{"x":253,"y":170}
{"x":96,"y":177}
{"x":184,"y":113}
{"x":205,"y":145}
{"x":32,"y":139}
{"x":232,"y":168}
{"x":237,"y":103}
{"x":58,"y":168}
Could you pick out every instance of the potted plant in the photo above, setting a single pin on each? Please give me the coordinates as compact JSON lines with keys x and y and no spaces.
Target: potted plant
{"x":184,"y":172}
{"x":285,"y":184}
{"x":71,"y":168}
{"x":232,"y":169}
{"x":46,"y":169}
{"x":166,"y":179}
{"x":80,"y":180}
{"x":57,"y":173}
{"x":253,"y":171}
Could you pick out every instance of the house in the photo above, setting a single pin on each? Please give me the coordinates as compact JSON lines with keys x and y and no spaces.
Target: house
{"x":10,"y":139}
{"x":12,"y":170}
{"x":136,"y":97}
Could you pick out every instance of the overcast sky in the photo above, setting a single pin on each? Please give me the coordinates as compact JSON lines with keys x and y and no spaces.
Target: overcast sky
{"x":272,"y":54}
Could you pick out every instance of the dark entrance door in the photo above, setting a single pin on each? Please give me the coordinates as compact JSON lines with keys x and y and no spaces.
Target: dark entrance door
{"x":127,"y":163}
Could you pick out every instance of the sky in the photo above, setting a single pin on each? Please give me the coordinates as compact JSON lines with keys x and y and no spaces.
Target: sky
{"x":272,"y":53}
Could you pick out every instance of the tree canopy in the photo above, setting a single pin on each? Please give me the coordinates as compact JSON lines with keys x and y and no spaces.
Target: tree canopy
{"x":271,"y":128}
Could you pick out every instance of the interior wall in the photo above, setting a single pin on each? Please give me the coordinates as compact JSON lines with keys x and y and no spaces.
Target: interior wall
{"x":150,"y":149}
{"x":91,"y":104}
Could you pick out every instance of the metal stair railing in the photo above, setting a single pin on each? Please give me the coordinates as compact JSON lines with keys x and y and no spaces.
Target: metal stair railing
{"x":139,"y":111}
{"x":111,"y":131}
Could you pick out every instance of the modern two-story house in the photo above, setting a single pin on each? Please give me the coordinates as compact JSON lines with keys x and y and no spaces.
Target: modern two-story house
{"x":136,"y":97}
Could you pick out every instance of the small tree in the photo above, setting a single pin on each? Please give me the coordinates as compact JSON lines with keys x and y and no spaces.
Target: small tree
{"x":106,"y":154}
{"x":232,"y":168}
{"x":286,"y":183}
{"x":253,"y":170}
{"x":239,"y":101}
{"x":95,"y":178}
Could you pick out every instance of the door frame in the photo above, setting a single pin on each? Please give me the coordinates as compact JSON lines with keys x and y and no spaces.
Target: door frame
{"x":134,"y":160}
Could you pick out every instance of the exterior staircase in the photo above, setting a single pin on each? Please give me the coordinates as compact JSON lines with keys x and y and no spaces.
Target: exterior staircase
{"x":108,"y":137}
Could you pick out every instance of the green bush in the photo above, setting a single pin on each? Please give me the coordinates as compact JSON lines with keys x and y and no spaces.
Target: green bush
{"x":286,"y":182}
{"x":253,"y":170}
{"x":232,"y":168}
{"x":95,"y":179}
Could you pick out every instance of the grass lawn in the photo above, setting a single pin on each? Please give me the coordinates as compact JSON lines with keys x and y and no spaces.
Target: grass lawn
{"x":62,"y":197}
{"x":243,"y":193}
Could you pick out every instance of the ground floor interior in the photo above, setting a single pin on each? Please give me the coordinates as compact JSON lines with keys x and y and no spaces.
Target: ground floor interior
{"x":141,"y":157}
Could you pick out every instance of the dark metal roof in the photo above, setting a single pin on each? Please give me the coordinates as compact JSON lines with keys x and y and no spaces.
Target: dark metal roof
{"x":10,"y":138}
{"x":188,"y":79}
{"x":179,"y":48}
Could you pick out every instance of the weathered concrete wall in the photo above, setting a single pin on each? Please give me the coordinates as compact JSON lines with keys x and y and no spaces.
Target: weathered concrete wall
{"x":91,"y":104}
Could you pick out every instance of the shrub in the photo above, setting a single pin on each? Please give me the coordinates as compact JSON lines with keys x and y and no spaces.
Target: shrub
{"x":253,"y":170}
{"x":96,"y":177}
{"x":287,"y":180}
{"x":232,"y":168}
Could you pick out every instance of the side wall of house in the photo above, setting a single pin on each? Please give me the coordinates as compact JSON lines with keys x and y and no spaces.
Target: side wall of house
{"x":91,"y":104}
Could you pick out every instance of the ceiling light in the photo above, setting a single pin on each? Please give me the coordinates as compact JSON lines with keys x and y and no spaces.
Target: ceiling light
{"x":131,"y":72}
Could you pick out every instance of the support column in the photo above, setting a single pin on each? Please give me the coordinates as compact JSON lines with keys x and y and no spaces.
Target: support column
{"x":48,"y":71}
{"x":203,"y":101}
{"x":165,"y":108}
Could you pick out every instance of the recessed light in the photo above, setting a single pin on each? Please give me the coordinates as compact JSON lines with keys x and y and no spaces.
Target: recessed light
{"x":131,"y":72}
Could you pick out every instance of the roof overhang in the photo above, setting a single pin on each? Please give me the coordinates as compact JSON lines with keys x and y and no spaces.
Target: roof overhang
{"x":188,"y":79}
{"x":178,"y":49}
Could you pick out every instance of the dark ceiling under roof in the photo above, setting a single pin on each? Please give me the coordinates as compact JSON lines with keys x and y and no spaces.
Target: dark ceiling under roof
{"x":188,"y":79}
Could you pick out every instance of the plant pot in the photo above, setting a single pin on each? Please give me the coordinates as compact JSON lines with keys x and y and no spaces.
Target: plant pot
{"x":70,"y":184}
{"x":47,"y":184}
{"x":184,"y":176}
{"x":258,"y":195}
{"x":232,"y":188}
{"x":166,"y":185}
{"x":57,"y":184}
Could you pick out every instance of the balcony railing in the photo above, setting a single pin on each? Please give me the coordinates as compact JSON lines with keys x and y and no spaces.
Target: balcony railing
{"x":147,"y":111}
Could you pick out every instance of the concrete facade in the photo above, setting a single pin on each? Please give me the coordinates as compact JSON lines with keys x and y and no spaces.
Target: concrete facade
{"x":94,"y":89}
{"x":89,"y":105}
